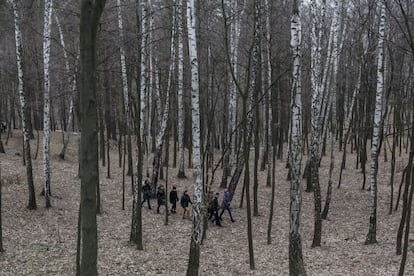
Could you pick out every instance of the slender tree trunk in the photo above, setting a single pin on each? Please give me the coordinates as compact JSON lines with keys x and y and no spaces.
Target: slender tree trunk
{"x":164,"y":116}
{"x":23,"y":107}
{"x":66,"y":133}
{"x":46,"y":99}
{"x":296,"y":266}
{"x":315,"y":127}
{"x":407,"y":210}
{"x":256,"y":88}
{"x":144,"y":70}
{"x":196,"y":234}
{"x":346,"y":128}
{"x":372,"y":233}
{"x":393,"y":152}
{"x":136,"y":224}
{"x":272,"y":165}
{"x":335,"y":60}
{"x":180,"y":84}
{"x":1,"y":223}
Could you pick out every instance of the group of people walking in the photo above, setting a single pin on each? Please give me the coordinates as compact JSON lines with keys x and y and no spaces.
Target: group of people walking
{"x":214,"y":207}
{"x":185,"y":202}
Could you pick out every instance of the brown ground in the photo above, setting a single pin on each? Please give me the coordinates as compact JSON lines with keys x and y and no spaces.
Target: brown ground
{"x":43,"y":242}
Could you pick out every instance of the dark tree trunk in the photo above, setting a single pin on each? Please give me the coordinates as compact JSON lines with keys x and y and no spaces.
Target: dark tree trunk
{"x":136,"y":225}
{"x":394,"y":144}
{"x":108,"y":175}
{"x":246,"y":146}
{"x":1,"y":224}
{"x":102,"y":153}
{"x":407,"y":223}
{"x":89,"y":20}
{"x":272,"y":200}
{"x":129,"y":152}
{"x":78,"y":243}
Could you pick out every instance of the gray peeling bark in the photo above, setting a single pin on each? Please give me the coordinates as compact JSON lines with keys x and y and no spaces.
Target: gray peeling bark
{"x":90,"y":13}
{"x":296,"y":266}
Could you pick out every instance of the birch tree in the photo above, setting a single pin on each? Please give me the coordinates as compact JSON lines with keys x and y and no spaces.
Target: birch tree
{"x":89,"y":21}
{"x":296,"y":266}
{"x":123,"y":67}
{"x":333,"y":88}
{"x":150,"y":84}
{"x":180,"y":22}
{"x":165,"y":113}
{"x":143,"y":63}
{"x":194,"y":256}
{"x":315,"y":127}
{"x":237,"y":13}
{"x":372,"y":232}
{"x":23,"y":106}
{"x":72,"y":83}
{"x":46,"y":99}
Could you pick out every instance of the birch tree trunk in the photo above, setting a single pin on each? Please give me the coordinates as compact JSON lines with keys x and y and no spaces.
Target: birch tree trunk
{"x":165,"y":114}
{"x":66,"y":133}
{"x":180,"y":84}
{"x":296,"y":266}
{"x":150,"y":83}
{"x":315,"y":127}
{"x":89,"y":171}
{"x":335,"y":58}
{"x":123,"y":68}
{"x":194,"y":256}
{"x":347,"y":123}
{"x":144,"y":69}
{"x":46,"y":99}
{"x":267,"y":88}
{"x":229,"y":158}
{"x":372,"y":232}
{"x":23,"y":106}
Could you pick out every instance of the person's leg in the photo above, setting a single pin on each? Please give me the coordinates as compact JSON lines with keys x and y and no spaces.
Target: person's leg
{"x":149,"y":203}
{"x":221,"y":214}
{"x":231,"y":217}
{"x":217,"y":219}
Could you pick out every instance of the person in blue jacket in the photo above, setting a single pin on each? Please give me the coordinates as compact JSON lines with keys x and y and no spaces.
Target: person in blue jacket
{"x":225,"y":205}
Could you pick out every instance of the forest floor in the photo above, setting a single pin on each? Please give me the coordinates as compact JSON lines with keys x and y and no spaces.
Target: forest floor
{"x":43,"y":241}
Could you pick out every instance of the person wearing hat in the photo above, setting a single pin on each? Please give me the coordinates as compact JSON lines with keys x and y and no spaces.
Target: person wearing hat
{"x":225,"y":205}
{"x":173,"y":199}
{"x":160,"y":198}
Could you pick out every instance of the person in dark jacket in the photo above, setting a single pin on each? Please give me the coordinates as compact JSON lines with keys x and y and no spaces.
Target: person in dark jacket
{"x":225,"y":205}
{"x":214,"y":208}
{"x":173,"y":199}
{"x":160,"y":198}
{"x":185,"y":201}
{"x":146,"y":192}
